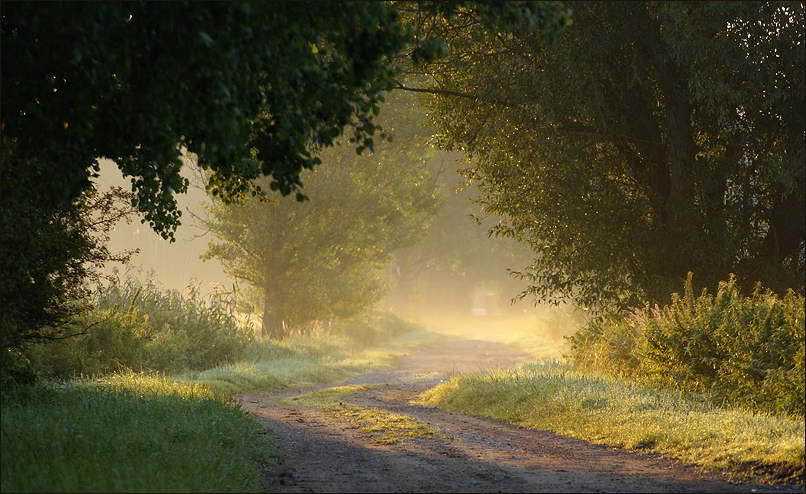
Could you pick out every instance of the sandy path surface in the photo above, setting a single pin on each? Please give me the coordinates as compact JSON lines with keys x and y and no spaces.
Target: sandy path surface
{"x":323,"y":452}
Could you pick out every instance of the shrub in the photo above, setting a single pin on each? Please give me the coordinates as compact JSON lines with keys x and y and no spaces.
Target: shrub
{"x":113,"y":341}
{"x":745,"y":350}
{"x":138,"y":326}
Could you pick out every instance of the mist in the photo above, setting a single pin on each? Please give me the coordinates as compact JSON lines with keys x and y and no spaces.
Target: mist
{"x":175,"y":265}
{"x":464,"y":288}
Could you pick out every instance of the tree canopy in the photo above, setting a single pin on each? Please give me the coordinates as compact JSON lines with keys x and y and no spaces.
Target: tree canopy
{"x":252,"y":89}
{"x":627,"y":153}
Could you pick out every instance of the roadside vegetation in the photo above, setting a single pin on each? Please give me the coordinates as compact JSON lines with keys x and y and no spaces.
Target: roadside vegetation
{"x":119,"y":408}
{"x":743,"y":350}
{"x":127,"y":433}
{"x":715,"y":380}
{"x":620,"y":413}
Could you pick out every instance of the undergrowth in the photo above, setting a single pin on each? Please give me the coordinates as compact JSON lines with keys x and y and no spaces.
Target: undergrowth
{"x":138,"y":326}
{"x":746,"y":351}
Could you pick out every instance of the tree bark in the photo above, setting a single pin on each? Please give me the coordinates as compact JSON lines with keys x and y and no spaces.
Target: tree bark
{"x":273,"y":325}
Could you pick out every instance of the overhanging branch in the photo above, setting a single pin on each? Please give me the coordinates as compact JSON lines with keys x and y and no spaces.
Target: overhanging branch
{"x":448,"y":92}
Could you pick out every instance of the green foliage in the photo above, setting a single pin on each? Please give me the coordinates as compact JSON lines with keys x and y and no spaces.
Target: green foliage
{"x":238,"y":84}
{"x":746,"y":350}
{"x":626,"y":154}
{"x":250,"y":88}
{"x":49,"y":253}
{"x":130,"y":433}
{"x":323,"y":258}
{"x":113,"y":342}
{"x":138,"y":326}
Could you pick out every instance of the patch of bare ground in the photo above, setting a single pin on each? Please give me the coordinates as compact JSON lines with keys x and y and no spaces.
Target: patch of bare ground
{"x":325,"y":452}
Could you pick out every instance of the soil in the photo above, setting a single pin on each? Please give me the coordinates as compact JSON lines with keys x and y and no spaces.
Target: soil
{"x":322,"y":452}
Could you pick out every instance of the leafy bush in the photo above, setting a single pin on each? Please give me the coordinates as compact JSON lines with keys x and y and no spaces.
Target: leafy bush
{"x":138,"y":326}
{"x":112,"y":341}
{"x":744,"y":350}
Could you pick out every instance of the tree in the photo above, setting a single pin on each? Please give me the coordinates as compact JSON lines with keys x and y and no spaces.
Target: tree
{"x":325,"y":258}
{"x":252,"y":89}
{"x":48,"y":258}
{"x":255,"y":90}
{"x":629,"y":153}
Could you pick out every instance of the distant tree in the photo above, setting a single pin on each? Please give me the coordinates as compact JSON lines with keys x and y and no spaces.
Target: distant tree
{"x":648,"y":140}
{"x":325,"y":257}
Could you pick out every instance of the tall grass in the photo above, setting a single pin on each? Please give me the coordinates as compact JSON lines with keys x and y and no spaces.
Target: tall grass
{"x":138,"y":326}
{"x":620,"y":413}
{"x":748,"y":351}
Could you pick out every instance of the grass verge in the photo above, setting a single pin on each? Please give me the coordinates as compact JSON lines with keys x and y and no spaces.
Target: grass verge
{"x":128,"y":433}
{"x":606,"y":410}
{"x":140,"y":432}
{"x":306,"y":361}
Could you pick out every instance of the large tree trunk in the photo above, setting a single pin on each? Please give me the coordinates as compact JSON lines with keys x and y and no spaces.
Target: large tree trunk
{"x":680,"y":227}
{"x":273,"y":325}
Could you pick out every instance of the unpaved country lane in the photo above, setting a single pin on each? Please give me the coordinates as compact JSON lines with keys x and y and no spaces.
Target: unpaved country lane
{"x":324,"y":453}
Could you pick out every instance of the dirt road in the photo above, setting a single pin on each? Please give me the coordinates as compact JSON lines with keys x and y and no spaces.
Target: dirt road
{"x":328,"y":449}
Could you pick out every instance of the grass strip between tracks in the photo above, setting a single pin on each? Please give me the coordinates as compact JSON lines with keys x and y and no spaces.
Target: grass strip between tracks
{"x":382,"y":426}
{"x":551,"y":396}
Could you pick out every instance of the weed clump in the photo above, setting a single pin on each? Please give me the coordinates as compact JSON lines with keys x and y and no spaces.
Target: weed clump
{"x":136,"y":325}
{"x":746,"y":351}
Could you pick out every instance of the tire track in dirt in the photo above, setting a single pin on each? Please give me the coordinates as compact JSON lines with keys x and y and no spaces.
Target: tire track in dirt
{"x":323,"y":453}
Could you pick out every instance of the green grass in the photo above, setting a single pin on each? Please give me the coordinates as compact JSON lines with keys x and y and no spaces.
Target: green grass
{"x":132,"y":433}
{"x":607,"y":410}
{"x":381,"y":426}
{"x":152,"y":433}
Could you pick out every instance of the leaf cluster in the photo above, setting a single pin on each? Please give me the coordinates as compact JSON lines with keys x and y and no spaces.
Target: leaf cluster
{"x":247,"y":87}
{"x":746,"y":350}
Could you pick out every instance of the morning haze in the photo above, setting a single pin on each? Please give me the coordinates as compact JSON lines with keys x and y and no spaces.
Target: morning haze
{"x":402,"y":246}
